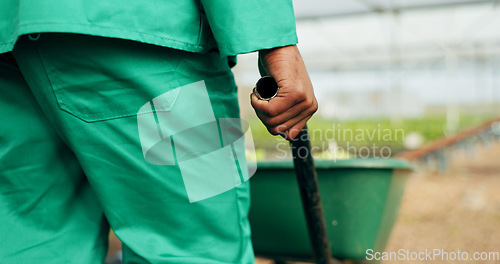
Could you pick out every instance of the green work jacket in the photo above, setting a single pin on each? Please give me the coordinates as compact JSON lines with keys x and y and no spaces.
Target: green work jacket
{"x":231,"y":26}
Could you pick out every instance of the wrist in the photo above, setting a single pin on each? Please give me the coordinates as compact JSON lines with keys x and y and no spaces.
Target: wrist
{"x":291,"y":49}
{"x":273,"y":59}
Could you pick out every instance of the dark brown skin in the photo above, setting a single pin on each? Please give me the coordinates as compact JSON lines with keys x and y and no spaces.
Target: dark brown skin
{"x":288,"y":112}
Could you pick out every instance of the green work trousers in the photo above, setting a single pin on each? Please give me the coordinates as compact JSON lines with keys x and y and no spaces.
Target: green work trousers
{"x":71,"y":163}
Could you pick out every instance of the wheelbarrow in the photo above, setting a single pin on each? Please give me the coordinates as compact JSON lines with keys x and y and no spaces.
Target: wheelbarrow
{"x":360,"y":198}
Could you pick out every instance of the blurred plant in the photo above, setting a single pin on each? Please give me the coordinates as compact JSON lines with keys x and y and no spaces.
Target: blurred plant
{"x":429,"y":128}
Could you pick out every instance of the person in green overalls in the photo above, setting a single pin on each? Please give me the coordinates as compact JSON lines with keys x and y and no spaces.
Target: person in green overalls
{"x":73,"y":75}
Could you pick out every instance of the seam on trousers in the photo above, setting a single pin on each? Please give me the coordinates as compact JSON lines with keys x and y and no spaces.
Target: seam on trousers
{"x":42,"y":61}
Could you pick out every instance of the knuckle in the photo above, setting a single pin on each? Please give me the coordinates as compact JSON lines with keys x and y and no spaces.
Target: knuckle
{"x":309,"y":102}
{"x":252,"y":102}
{"x":271,"y":111}
{"x":276,"y":130}
{"x":310,"y":106}
{"x":296,"y":130}
{"x":293,"y":133}
{"x":264,"y":109}
{"x":256,"y":106}
{"x":314,"y":107}
{"x":300,"y":96}
{"x":273,"y":131}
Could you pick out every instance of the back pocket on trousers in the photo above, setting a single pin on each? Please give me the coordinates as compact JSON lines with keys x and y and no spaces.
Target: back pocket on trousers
{"x":97,"y":79}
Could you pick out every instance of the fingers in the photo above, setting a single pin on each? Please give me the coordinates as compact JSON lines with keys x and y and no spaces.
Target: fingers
{"x":288,"y":119}
{"x":295,"y":130}
{"x":278,"y":105}
{"x":288,"y":123}
{"x":298,"y":111}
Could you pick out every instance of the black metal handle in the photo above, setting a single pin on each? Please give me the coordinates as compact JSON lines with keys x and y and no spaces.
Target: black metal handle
{"x":309,"y":192}
{"x":266,"y":89}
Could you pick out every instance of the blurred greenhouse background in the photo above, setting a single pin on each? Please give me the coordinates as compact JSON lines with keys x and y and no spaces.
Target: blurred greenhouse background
{"x":427,"y":68}
{"x":403,"y":76}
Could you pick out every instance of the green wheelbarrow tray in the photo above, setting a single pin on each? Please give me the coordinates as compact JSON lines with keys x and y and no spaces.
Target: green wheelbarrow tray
{"x":360,"y":198}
